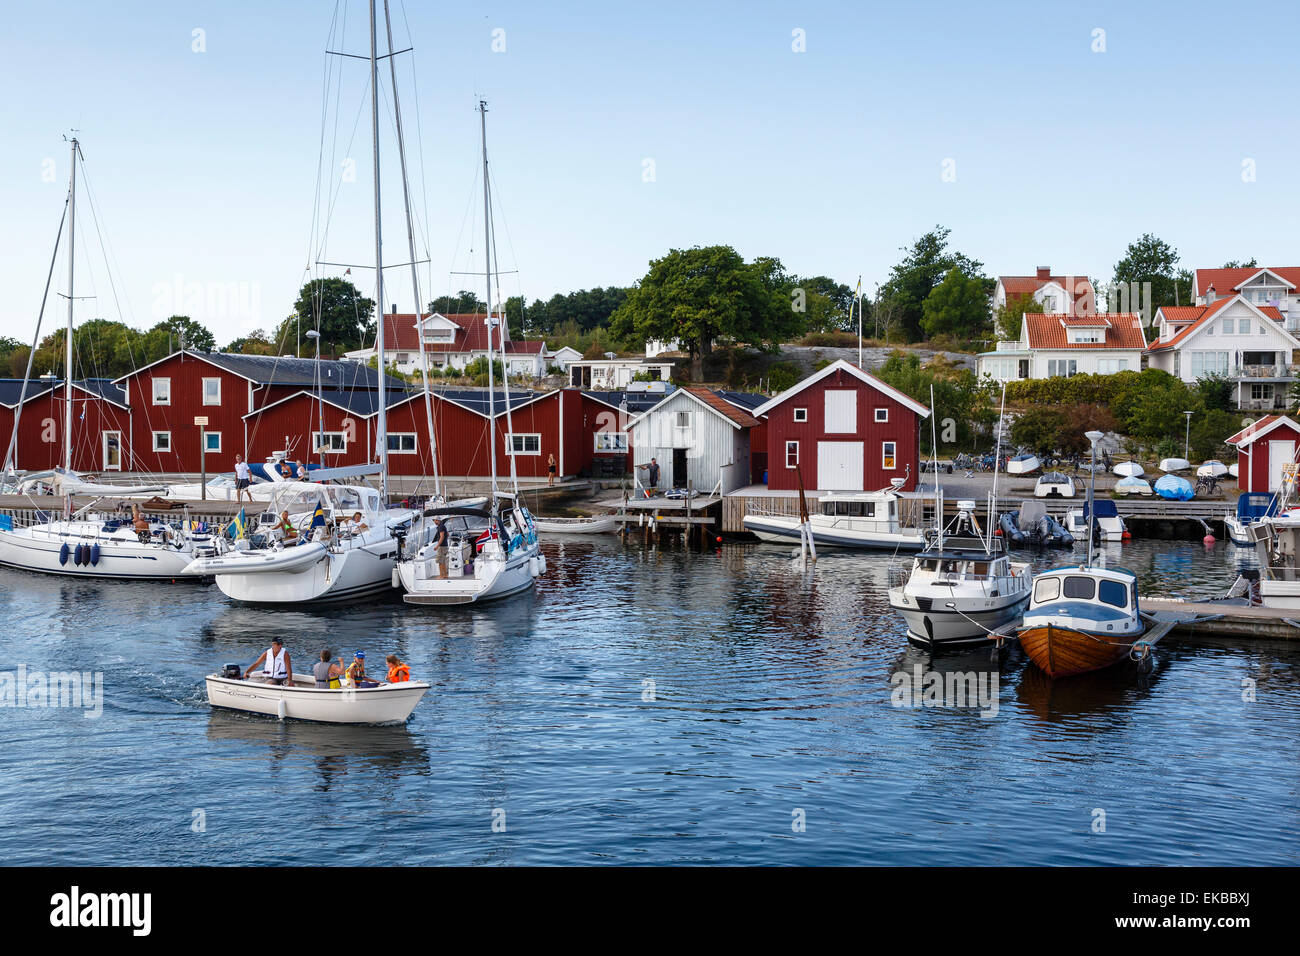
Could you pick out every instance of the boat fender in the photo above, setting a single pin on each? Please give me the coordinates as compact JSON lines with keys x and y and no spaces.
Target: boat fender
{"x":534,"y":566}
{"x":542,"y":559}
{"x":280,"y":709}
{"x":76,"y":555}
{"x":63,"y":553}
{"x":397,"y":578}
{"x":94,"y":555}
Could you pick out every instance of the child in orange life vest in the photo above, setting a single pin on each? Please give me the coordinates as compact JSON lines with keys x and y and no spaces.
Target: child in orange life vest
{"x":398,"y":672}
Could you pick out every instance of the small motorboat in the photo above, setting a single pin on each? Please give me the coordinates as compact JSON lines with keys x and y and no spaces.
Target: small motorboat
{"x":1081,"y":619}
{"x":1212,"y":469}
{"x":1128,"y":469}
{"x":596,"y":524}
{"x":1033,"y":525}
{"x":303,"y":700}
{"x":1251,"y":508}
{"x":1174,"y":464}
{"x":861,"y":519}
{"x":1022,"y":464}
{"x":1173,"y":488}
{"x":1109,"y":526}
{"x":1133,"y":486}
{"x":1054,"y":485}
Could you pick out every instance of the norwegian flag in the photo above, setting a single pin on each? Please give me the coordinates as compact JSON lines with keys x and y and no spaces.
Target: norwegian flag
{"x":487,"y":536}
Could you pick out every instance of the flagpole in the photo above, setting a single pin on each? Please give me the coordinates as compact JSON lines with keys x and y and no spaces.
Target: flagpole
{"x":859,"y":321}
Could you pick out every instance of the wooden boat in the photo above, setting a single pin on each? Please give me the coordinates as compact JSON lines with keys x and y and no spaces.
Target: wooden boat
{"x":596,"y":524}
{"x":1081,"y":619}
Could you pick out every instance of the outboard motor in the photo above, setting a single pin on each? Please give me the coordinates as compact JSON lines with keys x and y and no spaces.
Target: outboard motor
{"x":232,"y":671}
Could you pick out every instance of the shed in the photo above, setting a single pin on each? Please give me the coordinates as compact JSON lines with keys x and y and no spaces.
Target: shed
{"x":1264,"y":448}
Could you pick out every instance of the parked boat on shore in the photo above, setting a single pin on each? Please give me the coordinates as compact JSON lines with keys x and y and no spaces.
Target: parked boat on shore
{"x":1022,"y":464}
{"x":1054,"y":484}
{"x":1174,"y":488}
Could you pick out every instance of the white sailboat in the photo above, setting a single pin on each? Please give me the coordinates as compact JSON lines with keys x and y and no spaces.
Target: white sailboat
{"x":505,"y":558}
{"x":87,"y":543}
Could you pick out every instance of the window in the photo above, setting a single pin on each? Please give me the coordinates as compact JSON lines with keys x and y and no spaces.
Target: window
{"x":524,"y":444}
{"x":162,"y":391}
{"x":791,"y":454}
{"x":162,"y":441}
{"x":1110,"y":366}
{"x":683,"y":420}
{"x":1077,"y":586}
{"x":1113,"y":593}
{"x":212,"y":441}
{"x":401,"y":443}
{"x":1088,"y":336}
{"x":801,"y":414}
{"x":1047,"y":589}
{"x":331,"y":443}
{"x":888,"y":455}
{"x":212,"y":391}
{"x":882,"y":414}
{"x":1064,"y":367}
{"x":1209,"y":363}
{"x":611,"y":441}
{"x":1261,"y":391}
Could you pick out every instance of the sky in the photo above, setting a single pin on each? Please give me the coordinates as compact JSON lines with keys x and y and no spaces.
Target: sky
{"x":826,"y":134}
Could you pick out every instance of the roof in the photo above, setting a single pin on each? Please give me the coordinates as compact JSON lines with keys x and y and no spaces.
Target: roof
{"x":1077,"y":286}
{"x":1258,"y":429}
{"x":11,"y":389}
{"x":637,"y":402}
{"x":1201,"y":314}
{"x":278,"y":370}
{"x":746,"y":400}
{"x":842,"y":366}
{"x":360,"y":402}
{"x":1229,"y":280}
{"x":736,"y":416}
{"x":1047,"y":330}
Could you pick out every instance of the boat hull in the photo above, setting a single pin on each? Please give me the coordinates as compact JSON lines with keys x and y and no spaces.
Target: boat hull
{"x":119,"y":559}
{"x":1064,"y":651}
{"x":491,"y":581}
{"x":786,"y":530}
{"x":603,"y":525}
{"x":334,"y":577}
{"x":386,"y":704}
{"x":939,"y":627}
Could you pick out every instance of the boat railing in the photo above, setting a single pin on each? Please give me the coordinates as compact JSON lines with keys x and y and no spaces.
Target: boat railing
{"x":897,"y":575}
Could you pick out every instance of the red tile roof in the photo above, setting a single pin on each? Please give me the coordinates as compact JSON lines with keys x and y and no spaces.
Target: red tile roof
{"x":1225,"y":281}
{"x":1198,"y":315}
{"x":723,"y":407}
{"x":471,"y":335}
{"x":1077,"y":286}
{"x":1047,"y":331}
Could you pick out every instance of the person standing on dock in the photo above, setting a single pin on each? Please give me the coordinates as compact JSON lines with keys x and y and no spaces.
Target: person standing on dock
{"x":243,"y":477}
{"x":652,"y":477}
{"x":550,"y":469}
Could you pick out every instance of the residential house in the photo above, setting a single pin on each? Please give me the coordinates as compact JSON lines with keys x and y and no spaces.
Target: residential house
{"x":1062,"y":294}
{"x":1276,"y":286}
{"x":1052,"y":344}
{"x":451,"y":341}
{"x":617,"y":373}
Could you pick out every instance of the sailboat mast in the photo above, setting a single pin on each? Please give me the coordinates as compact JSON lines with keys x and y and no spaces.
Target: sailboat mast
{"x":487,"y":270}
{"x":934,"y":460}
{"x":997,"y":459}
{"x":67,"y":362}
{"x":382,"y":431}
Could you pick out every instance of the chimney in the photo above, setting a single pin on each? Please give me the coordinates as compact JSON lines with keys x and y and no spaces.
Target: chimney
{"x":1044,"y":272}
{"x":1209,"y":294}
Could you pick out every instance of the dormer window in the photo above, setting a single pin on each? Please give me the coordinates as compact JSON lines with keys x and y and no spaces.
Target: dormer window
{"x":1085,"y":336}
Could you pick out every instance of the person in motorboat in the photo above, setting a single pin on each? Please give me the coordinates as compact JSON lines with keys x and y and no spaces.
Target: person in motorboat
{"x":327,"y":672}
{"x":398,"y":673}
{"x":243,"y":478}
{"x":279,"y":668}
{"x":287,"y":528}
{"x":357,"y":671}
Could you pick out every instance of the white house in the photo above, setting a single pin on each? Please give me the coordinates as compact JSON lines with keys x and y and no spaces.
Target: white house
{"x":562,"y":358}
{"x":698,"y":438}
{"x":1278,"y":286}
{"x":617,"y":373}
{"x":1069,"y":294}
{"x":1230,"y":336}
{"x":451,"y":341}
{"x":1053,"y":344}
{"x":656,"y":347}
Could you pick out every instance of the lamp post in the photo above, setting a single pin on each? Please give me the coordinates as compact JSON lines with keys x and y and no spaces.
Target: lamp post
{"x":320,"y":406}
{"x":1093,"y":437}
{"x":1187,"y":435}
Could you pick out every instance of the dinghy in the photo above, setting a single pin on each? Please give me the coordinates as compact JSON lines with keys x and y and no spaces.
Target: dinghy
{"x":1022,"y":464}
{"x":596,"y":524}
{"x":1173,"y":488}
{"x":303,"y":700}
{"x":1054,"y":485}
{"x":1128,"y":469}
{"x":1212,"y":469}
{"x":1232,"y":469}
{"x":1133,"y":486}
{"x":1174,"y":464}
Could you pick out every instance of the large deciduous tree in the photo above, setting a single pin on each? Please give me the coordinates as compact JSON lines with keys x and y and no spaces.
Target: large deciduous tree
{"x":1009,"y":317}
{"x":924,"y":266}
{"x":345,"y":318}
{"x":958,"y":307}
{"x":1149,"y":263}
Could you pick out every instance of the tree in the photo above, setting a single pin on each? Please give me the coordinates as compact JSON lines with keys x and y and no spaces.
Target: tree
{"x":1009,"y":317}
{"x":463,"y":301}
{"x":923,"y":267}
{"x":254,"y":343}
{"x":703,"y":294}
{"x":1149,"y":263}
{"x":828,"y":304}
{"x":1052,"y":429}
{"x":1235,"y":264}
{"x":958,"y":306}
{"x":337,"y":309}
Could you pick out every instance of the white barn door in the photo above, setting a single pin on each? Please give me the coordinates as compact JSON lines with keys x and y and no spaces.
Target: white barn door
{"x":841,"y":411}
{"x":1280,"y":454}
{"x":839,"y":466}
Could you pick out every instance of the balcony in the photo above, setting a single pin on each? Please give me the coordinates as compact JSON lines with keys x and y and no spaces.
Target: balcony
{"x":1269,"y":372}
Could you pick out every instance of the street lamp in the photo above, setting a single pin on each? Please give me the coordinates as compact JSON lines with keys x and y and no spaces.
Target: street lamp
{"x":1093,"y":438}
{"x":320,"y":406}
{"x":1187,"y":435}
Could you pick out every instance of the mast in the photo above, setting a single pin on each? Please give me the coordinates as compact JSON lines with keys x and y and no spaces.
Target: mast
{"x":67,"y":373}
{"x":382,"y":431}
{"x":934,"y":460}
{"x":410,"y":241}
{"x":997,"y":460}
{"x":487,"y":259}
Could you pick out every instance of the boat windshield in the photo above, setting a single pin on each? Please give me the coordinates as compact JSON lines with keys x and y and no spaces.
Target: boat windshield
{"x":299,"y":496}
{"x":853,"y":509}
{"x":1047,"y":589}
{"x":1113,"y":593}
{"x":1080,"y":587}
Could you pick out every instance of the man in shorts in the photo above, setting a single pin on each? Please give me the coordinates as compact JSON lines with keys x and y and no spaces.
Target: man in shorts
{"x":242,"y":479}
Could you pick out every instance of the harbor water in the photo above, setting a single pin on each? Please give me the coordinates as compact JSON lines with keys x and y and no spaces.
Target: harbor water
{"x":645,"y":706}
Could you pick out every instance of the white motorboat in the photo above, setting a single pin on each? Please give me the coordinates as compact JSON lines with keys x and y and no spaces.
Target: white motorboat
{"x":1232,"y":469}
{"x":303,"y":700}
{"x":868,"y":519}
{"x":487,"y":556}
{"x":1252,"y":507}
{"x":325,"y":561}
{"x":1168,"y":465}
{"x":961,"y":588}
{"x":596,"y":524}
{"x":1022,"y":464}
{"x":1109,"y":525}
{"x":1054,"y":484}
{"x":1212,"y":469}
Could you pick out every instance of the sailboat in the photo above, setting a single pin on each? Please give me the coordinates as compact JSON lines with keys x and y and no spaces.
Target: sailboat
{"x":505,"y":557}
{"x":86,"y":543}
{"x":325,"y":555}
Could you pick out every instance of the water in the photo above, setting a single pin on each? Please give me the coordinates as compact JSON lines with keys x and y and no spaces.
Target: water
{"x":771,"y":698}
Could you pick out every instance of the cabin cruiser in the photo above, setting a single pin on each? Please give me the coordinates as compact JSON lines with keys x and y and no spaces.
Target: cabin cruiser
{"x":868,"y":519}
{"x":486,"y":555}
{"x":1081,"y":619}
{"x":1109,"y":526}
{"x":327,"y":558}
{"x":1251,"y":508}
{"x":1054,"y":484}
{"x":961,"y":588}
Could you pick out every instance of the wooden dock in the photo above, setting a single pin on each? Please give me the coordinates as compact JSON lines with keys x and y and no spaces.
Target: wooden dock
{"x":1220,"y":619}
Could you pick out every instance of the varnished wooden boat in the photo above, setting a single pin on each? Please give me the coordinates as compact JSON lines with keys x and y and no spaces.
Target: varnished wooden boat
{"x":1064,"y":652}
{"x":1081,"y":619}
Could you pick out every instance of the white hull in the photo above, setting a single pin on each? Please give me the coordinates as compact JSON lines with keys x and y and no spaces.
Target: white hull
{"x":1048,"y":490}
{"x":1108,"y":529}
{"x":942,"y":626}
{"x":333,"y":576}
{"x":385,"y":704}
{"x":121,"y":555}
{"x":1238,"y":531}
{"x":492,"y":578}
{"x":1279,"y":594}
{"x":786,"y":530}
{"x":1022,"y":467}
{"x":601,"y":525}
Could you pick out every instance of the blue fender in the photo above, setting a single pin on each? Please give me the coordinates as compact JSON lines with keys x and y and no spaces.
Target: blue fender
{"x":94,"y":554}
{"x":63,"y":553}
{"x":78,"y":555}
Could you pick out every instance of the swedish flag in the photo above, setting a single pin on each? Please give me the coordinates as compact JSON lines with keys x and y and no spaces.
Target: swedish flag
{"x":317,"y":518}
{"x":236,"y":527}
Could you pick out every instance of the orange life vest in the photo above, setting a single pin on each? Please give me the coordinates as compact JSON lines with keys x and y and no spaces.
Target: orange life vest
{"x":398,"y":673}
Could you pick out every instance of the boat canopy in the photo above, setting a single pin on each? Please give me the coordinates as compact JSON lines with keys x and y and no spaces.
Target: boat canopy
{"x":1102,"y":508}
{"x":299,"y":496}
{"x":1255,"y":505}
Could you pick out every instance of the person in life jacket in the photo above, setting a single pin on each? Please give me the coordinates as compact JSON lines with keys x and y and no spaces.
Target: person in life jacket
{"x":357,"y":671}
{"x":327,"y":672}
{"x":398,"y":673}
{"x":279,"y":668}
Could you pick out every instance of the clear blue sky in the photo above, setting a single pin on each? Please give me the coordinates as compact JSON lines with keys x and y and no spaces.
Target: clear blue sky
{"x":204,"y":164}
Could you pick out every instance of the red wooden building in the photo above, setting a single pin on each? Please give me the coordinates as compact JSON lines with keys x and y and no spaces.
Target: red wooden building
{"x":101,"y":425}
{"x":1264,"y":449}
{"x":844,"y":430}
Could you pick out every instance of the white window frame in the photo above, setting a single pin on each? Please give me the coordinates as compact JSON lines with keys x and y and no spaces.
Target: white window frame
{"x":207,"y":437}
{"x":318,"y":438}
{"x":882,"y":415}
{"x":167,"y":438}
{"x":610,"y":442}
{"x":166,"y":399}
{"x":205,"y":391}
{"x":801,"y":414}
{"x":512,"y":436}
{"x":795,"y":446}
{"x":415,"y":443}
{"x":678,"y":419}
{"x":889,"y":449}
